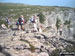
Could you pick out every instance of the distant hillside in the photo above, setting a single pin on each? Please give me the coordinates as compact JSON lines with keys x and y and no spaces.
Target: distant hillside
{"x":16,"y":9}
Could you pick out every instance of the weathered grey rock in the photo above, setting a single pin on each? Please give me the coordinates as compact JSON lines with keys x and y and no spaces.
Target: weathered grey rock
{"x":11,"y":40}
{"x":1,"y":54}
{"x":43,"y":54}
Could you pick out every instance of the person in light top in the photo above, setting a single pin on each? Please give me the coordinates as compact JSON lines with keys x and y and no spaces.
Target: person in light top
{"x":36,"y":23}
{"x":60,"y":30}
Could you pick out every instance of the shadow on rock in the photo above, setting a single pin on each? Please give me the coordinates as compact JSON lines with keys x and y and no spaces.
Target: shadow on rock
{"x":4,"y":52}
{"x":14,"y":29}
{"x":45,"y":37}
{"x":68,"y":41}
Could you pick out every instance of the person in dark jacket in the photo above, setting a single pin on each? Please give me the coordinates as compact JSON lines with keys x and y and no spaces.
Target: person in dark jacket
{"x":8,"y":22}
{"x":21,"y":22}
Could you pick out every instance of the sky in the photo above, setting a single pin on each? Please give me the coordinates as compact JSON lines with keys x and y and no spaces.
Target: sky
{"x":66,"y":3}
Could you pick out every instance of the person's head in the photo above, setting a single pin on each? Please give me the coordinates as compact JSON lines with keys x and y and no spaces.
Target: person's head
{"x":21,"y":16}
{"x":8,"y":18}
{"x":34,"y":16}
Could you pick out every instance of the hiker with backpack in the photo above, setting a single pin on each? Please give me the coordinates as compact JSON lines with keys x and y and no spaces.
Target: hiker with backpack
{"x":8,"y":22}
{"x":20,"y":22}
{"x":34,"y":21}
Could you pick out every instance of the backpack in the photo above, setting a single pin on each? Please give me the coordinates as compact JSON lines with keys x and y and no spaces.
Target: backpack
{"x":7,"y":20}
{"x":32,"y":20}
{"x":21,"y":20}
{"x":17,"y":23}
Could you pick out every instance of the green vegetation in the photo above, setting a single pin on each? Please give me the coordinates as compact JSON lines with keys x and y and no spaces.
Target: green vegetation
{"x":55,"y":53}
{"x":15,"y":10}
{"x":58,"y":23}
{"x":11,"y":26}
{"x":70,"y":48}
{"x":3,"y":22}
{"x":41,"y":17}
{"x":67,"y":23}
{"x":32,"y":48}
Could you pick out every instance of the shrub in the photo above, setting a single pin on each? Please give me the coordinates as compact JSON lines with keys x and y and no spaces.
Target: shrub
{"x":3,"y":22}
{"x":55,"y":53}
{"x":70,"y":48}
{"x":67,"y":23}
{"x":58,"y":22}
{"x":11,"y":26}
{"x":32,"y":48}
{"x":41,"y":17}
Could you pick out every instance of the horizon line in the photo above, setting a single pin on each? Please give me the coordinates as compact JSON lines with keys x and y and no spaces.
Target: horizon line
{"x":37,"y":5}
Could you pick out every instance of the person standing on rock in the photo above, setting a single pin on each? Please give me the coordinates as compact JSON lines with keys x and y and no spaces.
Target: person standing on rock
{"x":8,"y":22}
{"x":40,"y":28}
{"x":60,"y":30}
{"x":34,"y":21}
{"x":21,"y":22}
{"x":39,"y":25}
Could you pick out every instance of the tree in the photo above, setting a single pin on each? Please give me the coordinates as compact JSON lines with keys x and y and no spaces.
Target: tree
{"x":41,"y":17}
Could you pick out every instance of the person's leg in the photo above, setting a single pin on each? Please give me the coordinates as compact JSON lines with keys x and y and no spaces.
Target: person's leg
{"x":35,"y":27}
{"x":40,"y":30}
{"x":8,"y":24}
{"x":19,"y":27}
{"x":22,"y":27}
{"x":60,"y":32}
